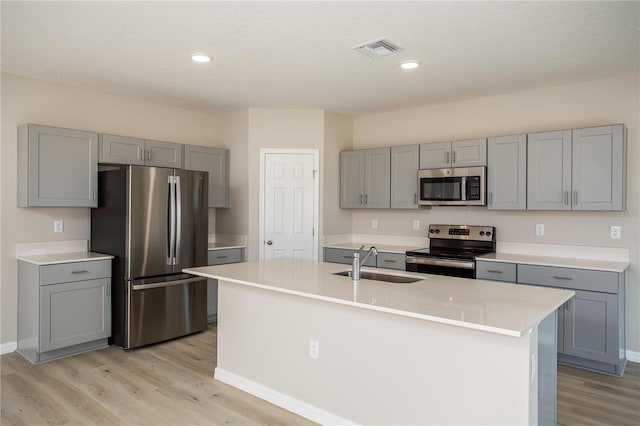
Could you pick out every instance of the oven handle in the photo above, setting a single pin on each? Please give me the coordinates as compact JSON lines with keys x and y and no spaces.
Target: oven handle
{"x":440,"y":262}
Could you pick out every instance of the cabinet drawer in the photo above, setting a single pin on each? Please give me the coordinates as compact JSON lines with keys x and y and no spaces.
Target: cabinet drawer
{"x":575,"y":279}
{"x":221,"y":257}
{"x":75,"y":271}
{"x":336,"y":255}
{"x":391,"y":261}
{"x":496,"y":271}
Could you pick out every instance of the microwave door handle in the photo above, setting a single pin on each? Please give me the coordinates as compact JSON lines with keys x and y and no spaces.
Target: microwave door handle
{"x":463,"y":190}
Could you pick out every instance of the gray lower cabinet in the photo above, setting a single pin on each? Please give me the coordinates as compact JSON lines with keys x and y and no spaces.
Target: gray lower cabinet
{"x":405,"y":163}
{"x":126,"y":150}
{"x":507,"y":172}
{"x":365,"y":178}
{"x":216,"y":162}
{"x":57,"y":167}
{"x":591,"y":326}
{"x":383,"y":260}
{"x":63,"y":309}
{"x":219,"y":257}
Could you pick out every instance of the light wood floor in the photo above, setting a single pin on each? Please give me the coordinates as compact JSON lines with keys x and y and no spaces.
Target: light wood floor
{"x":172,"y":384}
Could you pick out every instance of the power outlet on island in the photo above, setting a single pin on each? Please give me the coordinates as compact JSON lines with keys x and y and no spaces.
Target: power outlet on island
{"x":539,"y":230}
{"x":416,"y":225}
{"x":58,"y":226}
{"x":616,"y":232}
{"x":314,"y":349}
{"x":374,"y":223}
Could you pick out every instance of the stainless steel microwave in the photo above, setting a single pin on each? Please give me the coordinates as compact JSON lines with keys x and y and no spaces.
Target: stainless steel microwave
{"x":459,"y":186}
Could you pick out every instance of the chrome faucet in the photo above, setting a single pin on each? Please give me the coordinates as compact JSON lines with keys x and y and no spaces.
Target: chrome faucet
{"x":357,"y":263}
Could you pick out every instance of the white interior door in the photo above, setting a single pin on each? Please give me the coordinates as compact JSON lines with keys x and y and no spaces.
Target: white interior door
{"x":289,"y":206}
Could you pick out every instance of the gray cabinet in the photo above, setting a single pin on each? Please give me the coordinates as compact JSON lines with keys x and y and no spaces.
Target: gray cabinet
{"x":215,"y":161}
{"x":507,"y":172}
{"x":126,"y":150}
{"x":496,"y":271}
{"x":57,"y":167}
{"x":464,"y":153}
{"x":365,"y":178}
{"x":580,"y":169}
{"x":63,"y":309}
{"x":219,"y":257}
{"x":391,"y":260}
{"x":405,"y":162}
{"x":337,"y":255}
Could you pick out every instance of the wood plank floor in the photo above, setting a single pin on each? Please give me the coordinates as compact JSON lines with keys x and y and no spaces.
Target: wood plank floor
{"x":172,"y":384}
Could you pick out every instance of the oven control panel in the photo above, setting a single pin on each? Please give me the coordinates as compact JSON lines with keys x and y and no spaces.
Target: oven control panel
{"x":463,"y":232}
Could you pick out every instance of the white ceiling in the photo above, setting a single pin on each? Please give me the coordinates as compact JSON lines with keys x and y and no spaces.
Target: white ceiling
{"x":299,"y":54}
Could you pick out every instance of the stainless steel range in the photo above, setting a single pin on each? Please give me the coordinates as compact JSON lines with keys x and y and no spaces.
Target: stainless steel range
{"x":452,"y":250}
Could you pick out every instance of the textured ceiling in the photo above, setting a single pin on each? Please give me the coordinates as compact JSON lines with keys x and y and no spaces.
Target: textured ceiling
{"x":299,"y":54}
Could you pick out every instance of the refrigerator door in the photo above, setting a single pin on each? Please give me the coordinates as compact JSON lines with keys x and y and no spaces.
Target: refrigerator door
{"x":149,"y":222}
{"x":192,"y":218}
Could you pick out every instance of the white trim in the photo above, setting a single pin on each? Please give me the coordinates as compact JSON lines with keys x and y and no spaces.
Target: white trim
{"x":633,"y":356}
{"x":280,"y":399}
{"x":8,"y":347}
{"x":316,"y":189}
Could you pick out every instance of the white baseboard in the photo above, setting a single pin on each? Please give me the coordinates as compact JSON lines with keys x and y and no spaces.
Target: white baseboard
{"x":8,"y":347}
{"x":633,"y":356}
{"x":287,"y":402}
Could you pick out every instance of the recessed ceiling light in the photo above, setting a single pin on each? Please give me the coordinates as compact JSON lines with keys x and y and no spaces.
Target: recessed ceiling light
{"x":410,"y":65}
{"x":201,"y":57}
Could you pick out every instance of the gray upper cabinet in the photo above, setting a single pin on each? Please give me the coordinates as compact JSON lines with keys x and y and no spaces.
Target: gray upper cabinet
{"x":465,"y":153}
{"x":404,"y":176}
{"x":365,"y":178}
{"x":583,"y":169}
{"x":215,"y":161}
{"x":57,"y":167}
{"x":126,"y":150}
{"x":507,"y":172}
{"x":598,"y":168}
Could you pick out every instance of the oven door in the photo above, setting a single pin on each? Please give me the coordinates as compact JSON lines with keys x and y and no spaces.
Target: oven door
{"x":464,"y":268}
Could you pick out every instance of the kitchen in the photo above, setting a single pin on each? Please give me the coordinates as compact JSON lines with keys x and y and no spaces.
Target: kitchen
{"x":569,"y":103}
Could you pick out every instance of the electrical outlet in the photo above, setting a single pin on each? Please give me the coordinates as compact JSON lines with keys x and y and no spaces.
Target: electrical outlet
{"x":616,"y":232}
{"x":58,"y":225}
{"x":314,"y":349}
{"x":374,"y":223}
{"x":416,"y":225}
{"x":539,"y":230}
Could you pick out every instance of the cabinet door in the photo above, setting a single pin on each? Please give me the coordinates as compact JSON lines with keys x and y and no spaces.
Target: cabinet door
{"x":549,"y":171}
{"x":591,"y":326}
{"x":598,"y":168}
{"x":352,"y":179}
{"x":214,"y":161}
{"x":435,"y":155}
{"x":377,"y":178}
{"x":404,"y":176}
{"x":163,"y":154}
{"x":224,"y":256}
{"x":73,"y":313}
{"x":57,"y":167}
{"x":507,"y":173}
{"x":121,"y":150}
{"x":469,"y":153}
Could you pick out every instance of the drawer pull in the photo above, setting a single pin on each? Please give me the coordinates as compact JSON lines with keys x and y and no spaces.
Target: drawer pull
{"x":83,"y":271}
{"x":390,"y":261}
{"x":348,"y":257}
{"x":221,"y":257}
{"x":494,"y":271}
{"x":563,"y":278}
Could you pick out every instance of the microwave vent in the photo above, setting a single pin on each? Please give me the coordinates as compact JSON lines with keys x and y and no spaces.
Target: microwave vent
{"x":378,"y":48}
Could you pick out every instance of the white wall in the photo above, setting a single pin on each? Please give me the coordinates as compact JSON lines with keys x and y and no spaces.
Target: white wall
{"x":338,"y":136}
{"x":32,"y":101}
{"x":592,"y":103}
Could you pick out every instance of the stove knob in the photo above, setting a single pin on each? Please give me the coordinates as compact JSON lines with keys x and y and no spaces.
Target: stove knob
{"x":482,"y":233}
{"x":488,"y":233}
{"x":431,"y":231}
{"x":437,"y":231}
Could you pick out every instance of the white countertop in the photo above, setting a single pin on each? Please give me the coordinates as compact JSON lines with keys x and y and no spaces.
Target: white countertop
{"x":490,"y":306}
{"x":563,"y":262}
{"x":222,"y":246}
{"x":51,"y":259}
{"x":387,"y":248}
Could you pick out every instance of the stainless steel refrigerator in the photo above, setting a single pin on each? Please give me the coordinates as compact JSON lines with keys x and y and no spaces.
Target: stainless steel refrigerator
{"x":155,"y":222}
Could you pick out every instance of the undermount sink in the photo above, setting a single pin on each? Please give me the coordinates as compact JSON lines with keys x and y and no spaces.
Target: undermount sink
{"x":381,"y":277}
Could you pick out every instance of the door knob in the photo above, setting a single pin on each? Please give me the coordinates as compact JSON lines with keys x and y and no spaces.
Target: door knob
{"x":269,"y":242}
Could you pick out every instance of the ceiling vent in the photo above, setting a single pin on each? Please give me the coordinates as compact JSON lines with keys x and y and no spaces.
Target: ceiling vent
{"x":378,"y":48}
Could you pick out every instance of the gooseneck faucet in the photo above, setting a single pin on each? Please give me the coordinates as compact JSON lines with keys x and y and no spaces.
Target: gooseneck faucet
{"x":357,"y":263}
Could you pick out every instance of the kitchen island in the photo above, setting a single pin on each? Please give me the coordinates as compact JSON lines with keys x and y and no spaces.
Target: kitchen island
{"x":442,"y":350}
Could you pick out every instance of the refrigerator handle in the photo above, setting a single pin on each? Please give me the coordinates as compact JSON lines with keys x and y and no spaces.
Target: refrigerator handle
{"x":172,"y":220}
{"x":178,"y":222}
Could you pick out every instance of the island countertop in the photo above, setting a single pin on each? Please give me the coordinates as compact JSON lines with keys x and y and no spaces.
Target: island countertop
{"x":489,"y":306}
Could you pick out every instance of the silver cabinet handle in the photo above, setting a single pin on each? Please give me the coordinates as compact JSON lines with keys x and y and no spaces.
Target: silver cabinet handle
{"x":390,"y":261}
{"x":148,"y":154}
{"x":562,"y":278}
{"x":83,"y":271}
{"x":566,"y":197}
{"x":221,"y":257}
{"x":361,"y":200}
{"x":269,"y":242}
{"x":366,"y":199}
{"x":348,"y":257}
{"x":453,"y":155}
{"x":494,"y":271}
{"x":448,"y":157}
{"x":575,"y":198}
